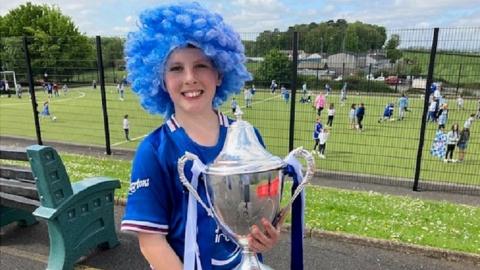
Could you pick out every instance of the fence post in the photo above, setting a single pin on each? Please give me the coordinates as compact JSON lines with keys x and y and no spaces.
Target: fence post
{"x":31,"y":89}
{"x":101,"y":76}
{"x":431,"y":67}
{"x":458,"y":80}
{"x":291,"y":136}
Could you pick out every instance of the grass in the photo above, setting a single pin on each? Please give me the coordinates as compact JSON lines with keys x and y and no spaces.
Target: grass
{"x":386,"y":149}
{"x":370,"y":214}
{"x":447,"y":66}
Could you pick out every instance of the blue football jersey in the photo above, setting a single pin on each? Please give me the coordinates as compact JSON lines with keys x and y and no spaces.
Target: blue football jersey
{"x":157,"y":201}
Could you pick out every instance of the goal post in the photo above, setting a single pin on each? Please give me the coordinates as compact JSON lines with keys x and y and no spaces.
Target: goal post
{"x":9,"y":76}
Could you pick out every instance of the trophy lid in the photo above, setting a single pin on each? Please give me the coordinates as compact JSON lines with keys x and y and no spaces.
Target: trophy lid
{"x":242,"y":152}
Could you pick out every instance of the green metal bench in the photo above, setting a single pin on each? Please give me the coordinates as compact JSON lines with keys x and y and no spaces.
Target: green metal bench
{"x":79,"y":215}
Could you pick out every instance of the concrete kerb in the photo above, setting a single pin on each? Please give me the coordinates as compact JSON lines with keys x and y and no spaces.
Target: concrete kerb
{"x":437,"y":253}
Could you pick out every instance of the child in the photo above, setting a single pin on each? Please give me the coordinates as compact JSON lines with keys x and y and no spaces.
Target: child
{"x":46,"y":110}
{"x":331,"y":114}
{"x":121,"y":90}
{"x":359,"y":114}
{"x":248,"y":97}
{"x":343,"y":94}
{"x":452,"y":139}
{"x":460,"y":102}
{"x":273,"y":87}
{"x":468,"y":123}
{"x":328,"y":89}
{"x":126,"y":126}
{"x":463,"y":143}
{"x":387,"y":113}
{"x":439,"y":144}
{"x":65,"y":89}
{"x":402,"y":107}
{"x":323,"y":137}
{"x":234,"y":105}
{"x":285,"y":94}
{"x":317,"y":129}
{"x":351,"y":115}
{"x":191,"y":53}
{"x":320,"y":103}
{"x":442,"y":119}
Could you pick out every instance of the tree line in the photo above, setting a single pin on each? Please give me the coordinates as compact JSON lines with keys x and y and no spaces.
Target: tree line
{"x":58,"y":48}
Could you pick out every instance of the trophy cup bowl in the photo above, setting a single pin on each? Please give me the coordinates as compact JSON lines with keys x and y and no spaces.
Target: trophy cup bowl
{"x":243,"y":185}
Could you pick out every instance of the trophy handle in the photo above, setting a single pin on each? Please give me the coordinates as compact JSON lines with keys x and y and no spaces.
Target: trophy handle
{"x":181,"y":174}
{"x":299,"y":152}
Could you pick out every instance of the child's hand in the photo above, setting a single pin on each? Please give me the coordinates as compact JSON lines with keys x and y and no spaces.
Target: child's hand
{"x":261,"y":241}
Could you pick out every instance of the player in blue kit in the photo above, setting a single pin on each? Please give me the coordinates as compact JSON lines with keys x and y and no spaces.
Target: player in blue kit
{"x":183,"y":63}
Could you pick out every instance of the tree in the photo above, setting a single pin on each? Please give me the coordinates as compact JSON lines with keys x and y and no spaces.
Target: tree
{"x":56,"y":46}
{"x":392,"y":52}
{"x":275,"y":66}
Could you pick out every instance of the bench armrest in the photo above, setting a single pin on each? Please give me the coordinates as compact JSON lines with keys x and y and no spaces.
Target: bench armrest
{"x":81,"y":190}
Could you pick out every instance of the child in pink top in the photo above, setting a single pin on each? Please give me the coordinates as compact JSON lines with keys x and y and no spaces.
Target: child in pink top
{"x":320,"y":103}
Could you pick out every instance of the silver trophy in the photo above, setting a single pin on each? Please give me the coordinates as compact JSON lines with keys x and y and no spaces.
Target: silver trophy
{"x":244,"y":185}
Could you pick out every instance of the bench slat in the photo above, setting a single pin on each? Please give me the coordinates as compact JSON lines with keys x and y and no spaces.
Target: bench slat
{"x":13,"y":154}
{"x":23,"y":189}
{"x":15,"y":172}
{"x":15,"y":201}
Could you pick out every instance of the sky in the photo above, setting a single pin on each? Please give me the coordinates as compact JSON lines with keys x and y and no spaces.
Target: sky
{"x":116,"y":18}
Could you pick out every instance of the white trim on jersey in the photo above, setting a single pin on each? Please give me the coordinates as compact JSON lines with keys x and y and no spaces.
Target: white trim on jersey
{"x":143,"y":226}
{"x":173,"y":124}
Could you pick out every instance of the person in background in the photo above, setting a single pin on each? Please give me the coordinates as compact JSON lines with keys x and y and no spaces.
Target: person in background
{"x":442,"y":119}
{"x":273,"y":87}
{"x":468,"y":123}
{"x":402,"y":107}
{"x":126,"y":126}
{"x":460,"y":102}
{"x":65,"y":89}
{"x":463,"y":143}
{"x":452,"y":138}
{"x":323,"y":137}
{"x":359,"y":114}
{"x":439,"y":144}
{"x":233,"y":105}
{"x":387,"y":113}
{"x":317,"y":129}
{"x":320,"y":101}
{"x":351,"y":116}
{"x":331,"y":114}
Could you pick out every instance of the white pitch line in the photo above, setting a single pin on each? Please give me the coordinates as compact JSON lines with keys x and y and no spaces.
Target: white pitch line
{"x":133,"y":139}
{"x":52,"y":100}
{"x":261,"y":101}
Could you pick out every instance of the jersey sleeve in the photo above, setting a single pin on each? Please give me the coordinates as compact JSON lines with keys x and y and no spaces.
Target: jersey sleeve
{"x":147,"y":208}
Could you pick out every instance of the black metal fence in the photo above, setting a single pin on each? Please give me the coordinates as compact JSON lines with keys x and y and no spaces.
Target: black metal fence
{"x":374,"y":68}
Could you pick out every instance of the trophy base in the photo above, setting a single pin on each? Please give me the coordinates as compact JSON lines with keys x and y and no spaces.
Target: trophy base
{"x":251,"y":262}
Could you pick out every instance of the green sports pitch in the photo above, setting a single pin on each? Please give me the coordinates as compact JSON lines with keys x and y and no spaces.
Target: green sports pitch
{"x":387,"y":149}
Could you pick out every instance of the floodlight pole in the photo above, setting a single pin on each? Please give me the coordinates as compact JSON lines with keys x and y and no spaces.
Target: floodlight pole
{"x":101,"y":76}
{"x":31,"y":88}
{"x":431,"y":67}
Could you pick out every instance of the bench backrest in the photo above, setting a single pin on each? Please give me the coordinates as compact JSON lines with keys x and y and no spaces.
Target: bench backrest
{"x":46,"y":164}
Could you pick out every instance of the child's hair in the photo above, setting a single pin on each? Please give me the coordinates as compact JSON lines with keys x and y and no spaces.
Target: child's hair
{"x":353,"y":106}
{"x":126,"y":116}
{"x":167,"y":27}
{"x":455,"y":127}
{"x":332,"y":105}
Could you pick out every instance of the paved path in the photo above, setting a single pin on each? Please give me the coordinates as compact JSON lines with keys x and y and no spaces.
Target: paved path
{"x":27,"y":248}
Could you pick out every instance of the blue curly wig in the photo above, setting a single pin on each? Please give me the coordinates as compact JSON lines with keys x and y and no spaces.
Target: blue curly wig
{"x":167,"y":27}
